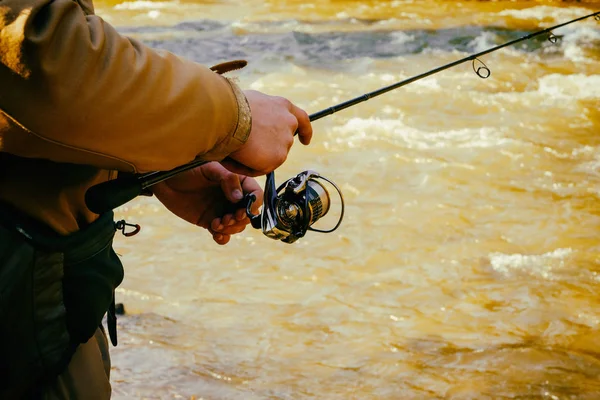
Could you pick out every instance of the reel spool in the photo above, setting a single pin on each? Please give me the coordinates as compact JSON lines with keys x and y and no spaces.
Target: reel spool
{"x":290,"y":210}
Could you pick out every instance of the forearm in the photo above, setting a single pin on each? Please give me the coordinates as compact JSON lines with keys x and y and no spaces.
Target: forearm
{"x":81,"y":91}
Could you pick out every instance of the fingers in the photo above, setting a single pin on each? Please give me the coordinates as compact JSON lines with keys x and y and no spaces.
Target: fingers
{"x":222,"y":231}
{"x":231,"y":186}
{"x":228,"y":225}
{"x":300,"y":123}
{"x":229,"y":181}
{"x":211,"y":171}
{"x":240,"y":214}
{"x":221,"y":239}
{"x":304,"y":129}
{"x":275,"y":121}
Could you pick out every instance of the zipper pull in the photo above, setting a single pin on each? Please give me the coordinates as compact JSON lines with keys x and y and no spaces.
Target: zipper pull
{"x":122,"y":226}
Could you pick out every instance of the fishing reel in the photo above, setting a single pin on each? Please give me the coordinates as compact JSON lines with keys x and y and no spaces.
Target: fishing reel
{"x":290,"y":210}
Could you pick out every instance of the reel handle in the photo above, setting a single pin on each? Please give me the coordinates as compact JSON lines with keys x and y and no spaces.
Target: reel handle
{"x":246,"y":203}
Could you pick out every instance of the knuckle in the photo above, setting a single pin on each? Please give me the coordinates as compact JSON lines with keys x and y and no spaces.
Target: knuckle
{"x":289,"y":142}
{"x":232,"y":179}
{"x":285,"y":102}
{"x":304,"y":116}
{"x":282,"y":157}
{"x":292,"y":121}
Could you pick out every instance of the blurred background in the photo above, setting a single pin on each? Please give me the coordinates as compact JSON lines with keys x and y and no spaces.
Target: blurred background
{"x":467,"y":266}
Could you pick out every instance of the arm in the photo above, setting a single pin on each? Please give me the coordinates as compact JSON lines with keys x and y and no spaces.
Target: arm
{"x":73,"y":90}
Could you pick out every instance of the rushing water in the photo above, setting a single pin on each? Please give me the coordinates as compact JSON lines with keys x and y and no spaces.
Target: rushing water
{"x":468,"y":263}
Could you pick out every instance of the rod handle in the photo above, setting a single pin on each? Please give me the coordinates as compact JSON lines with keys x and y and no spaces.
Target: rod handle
{"x":109,"y":195}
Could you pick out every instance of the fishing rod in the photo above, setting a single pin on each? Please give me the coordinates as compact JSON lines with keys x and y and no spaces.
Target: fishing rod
{"x":290,"y":210}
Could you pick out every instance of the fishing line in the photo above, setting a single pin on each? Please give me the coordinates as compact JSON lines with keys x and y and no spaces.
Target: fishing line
{"x":290,"y":210}
{"x":478,"y":66}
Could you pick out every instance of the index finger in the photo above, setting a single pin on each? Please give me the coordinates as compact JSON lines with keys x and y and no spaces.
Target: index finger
{"x":304,"y":130}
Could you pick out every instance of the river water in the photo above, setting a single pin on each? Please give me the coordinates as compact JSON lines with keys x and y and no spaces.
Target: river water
{"x":468,"y":263}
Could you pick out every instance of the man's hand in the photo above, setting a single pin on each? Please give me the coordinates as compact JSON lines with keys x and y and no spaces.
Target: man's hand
{"x":275,"y":120}
{"x":201,"y":196}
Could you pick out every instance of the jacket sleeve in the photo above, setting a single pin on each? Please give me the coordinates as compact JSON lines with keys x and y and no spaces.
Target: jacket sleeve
{"x":74,"y":90}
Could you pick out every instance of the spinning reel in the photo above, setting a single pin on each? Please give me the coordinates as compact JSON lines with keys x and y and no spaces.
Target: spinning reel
{"x":290,"y":210}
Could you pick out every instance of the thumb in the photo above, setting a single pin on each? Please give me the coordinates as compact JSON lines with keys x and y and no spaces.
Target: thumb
{"x":238,"y":168}
{"x":231,"y":186}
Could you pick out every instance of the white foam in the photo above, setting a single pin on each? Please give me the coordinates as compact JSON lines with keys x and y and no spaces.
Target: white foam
{"x":154,"y":14}
{"x":360,"y":129}
{"x":573,"y":38}
{"x":541,"y":265}
{"x":399,"y":37}
{"x":591,"y":167}
{"x":146,"y":5}
{"x":555,"y":88}
{"x":578,"y":86}
{"x":579,"y":33}
{"x":541,"y":13}
{"x":483,"y":42}
{"x":430,"y":83}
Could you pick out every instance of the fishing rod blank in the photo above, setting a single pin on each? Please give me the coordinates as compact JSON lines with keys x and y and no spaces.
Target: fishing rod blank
{"x":483,"y":71}
{"x":109,"y":195}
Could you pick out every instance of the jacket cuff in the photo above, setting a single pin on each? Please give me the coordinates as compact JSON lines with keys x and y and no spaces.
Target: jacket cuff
{"x":241,"y":131}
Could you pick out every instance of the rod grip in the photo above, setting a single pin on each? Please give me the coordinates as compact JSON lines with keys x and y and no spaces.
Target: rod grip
{"x":109,"y":195}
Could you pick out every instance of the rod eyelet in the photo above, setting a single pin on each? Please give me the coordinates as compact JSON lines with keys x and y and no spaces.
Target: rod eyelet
{"x":481,"y":69}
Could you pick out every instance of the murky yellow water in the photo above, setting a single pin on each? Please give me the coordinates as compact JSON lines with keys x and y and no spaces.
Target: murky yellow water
{"x":467,"y":266}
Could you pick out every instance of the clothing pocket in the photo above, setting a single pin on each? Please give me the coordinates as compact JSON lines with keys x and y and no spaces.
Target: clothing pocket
{"x":89,"y":287}
{"x":34,"y":341}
